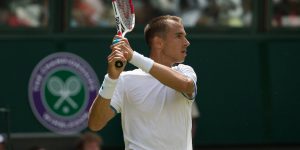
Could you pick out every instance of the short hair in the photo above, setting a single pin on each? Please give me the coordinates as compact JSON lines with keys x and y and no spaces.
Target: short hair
{"x":158,"y":27}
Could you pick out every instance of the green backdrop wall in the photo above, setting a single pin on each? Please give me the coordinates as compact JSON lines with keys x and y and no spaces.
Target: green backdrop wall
{"x":247,"y":86}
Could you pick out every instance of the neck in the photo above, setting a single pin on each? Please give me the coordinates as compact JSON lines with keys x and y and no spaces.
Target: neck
{"x":158,"y":57}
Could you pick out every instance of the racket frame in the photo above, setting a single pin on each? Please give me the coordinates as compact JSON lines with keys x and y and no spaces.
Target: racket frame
{"x":120,"y":24}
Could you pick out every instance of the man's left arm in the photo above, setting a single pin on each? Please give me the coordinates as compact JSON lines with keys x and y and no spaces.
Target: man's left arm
{"x":173,"y":79}
{"x":166,"y":75}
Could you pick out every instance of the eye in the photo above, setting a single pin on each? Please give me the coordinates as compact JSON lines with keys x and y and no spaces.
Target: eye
{"x":179,"y":35}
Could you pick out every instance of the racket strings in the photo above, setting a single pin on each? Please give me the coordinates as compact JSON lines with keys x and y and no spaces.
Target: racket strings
{"x":125,"y":13}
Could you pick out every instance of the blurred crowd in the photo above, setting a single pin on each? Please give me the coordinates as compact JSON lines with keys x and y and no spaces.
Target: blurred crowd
{"x":99,"y":13}
{"x":23,"y":13}
{"x":286,"y":13}
{"x":233,"y":13}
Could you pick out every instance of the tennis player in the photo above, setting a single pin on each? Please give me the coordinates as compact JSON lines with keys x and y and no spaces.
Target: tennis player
{"x":155,"y":100}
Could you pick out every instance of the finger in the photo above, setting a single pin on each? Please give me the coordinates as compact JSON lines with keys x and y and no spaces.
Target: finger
{"x":126,"y":55}
{"x":116,"y":58}
{"x":113,"y":60}
{"x":125,"y":40}
{"x":112,"y":55}
{"x":118,"y":48}
{"x":125,"y":47}
{"x":118,"y":55}
{"x":117,"y":44}
{"x":115,"y":54}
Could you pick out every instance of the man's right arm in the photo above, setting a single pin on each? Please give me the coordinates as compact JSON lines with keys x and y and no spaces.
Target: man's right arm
{"x":100,"y":113}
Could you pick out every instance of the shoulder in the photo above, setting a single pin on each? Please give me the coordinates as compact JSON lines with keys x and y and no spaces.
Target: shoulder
{"x":183,"y":68}
{"x":133,"y":73}
{"x":186,"y":70}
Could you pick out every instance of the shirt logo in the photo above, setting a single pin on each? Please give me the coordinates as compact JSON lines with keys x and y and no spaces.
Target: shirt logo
{"x":61,"y":90}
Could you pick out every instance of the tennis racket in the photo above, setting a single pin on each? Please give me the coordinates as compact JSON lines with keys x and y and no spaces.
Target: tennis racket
{"x":125,"y":18}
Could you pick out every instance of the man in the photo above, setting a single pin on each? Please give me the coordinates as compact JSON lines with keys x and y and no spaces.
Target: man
{"x":155,"y":101}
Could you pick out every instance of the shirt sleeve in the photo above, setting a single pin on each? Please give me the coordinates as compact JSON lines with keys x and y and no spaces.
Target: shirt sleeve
{"x":189,"y":72}
{"x":118,"y":96}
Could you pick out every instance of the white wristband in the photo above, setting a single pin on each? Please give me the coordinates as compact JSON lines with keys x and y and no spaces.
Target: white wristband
{"x":108,"y":87}
{"x":141,"y":61}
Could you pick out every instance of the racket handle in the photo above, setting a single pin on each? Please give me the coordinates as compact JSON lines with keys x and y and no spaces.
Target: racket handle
{"x":119,"y":64}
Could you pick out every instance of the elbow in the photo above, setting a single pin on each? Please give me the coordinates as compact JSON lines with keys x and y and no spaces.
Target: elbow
{"x":189,"y":86}
{"x":93,"y":126}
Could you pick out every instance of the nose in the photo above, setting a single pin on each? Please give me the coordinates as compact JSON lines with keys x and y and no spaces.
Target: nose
{"x":186,"y":42}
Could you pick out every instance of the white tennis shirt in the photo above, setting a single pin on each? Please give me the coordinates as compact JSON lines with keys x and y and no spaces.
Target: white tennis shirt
{"x":154,"y":116}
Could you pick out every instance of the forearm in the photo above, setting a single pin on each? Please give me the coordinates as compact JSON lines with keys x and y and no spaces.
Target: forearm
{"x":164,"y":74}
{"x":173,"y":79}
{"x":100,"y":113}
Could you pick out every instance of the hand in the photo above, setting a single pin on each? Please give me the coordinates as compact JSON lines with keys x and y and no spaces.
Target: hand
{"x":123,"y":45}
{"x":112,"y":70}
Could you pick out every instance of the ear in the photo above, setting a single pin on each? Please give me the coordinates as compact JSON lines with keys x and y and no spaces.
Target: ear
{"x":158,"y":42}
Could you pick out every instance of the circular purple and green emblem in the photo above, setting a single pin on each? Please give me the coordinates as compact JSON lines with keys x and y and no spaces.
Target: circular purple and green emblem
{"x":62,"y":88}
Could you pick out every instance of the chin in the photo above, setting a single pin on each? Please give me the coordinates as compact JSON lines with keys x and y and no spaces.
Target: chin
{"x":180,"y":61}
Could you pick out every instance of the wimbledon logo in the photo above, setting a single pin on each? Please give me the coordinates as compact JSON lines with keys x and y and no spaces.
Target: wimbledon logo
{"x":61,"y":90}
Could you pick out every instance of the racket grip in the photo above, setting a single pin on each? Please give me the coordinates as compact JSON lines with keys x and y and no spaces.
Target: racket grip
{"x":119,"y":64}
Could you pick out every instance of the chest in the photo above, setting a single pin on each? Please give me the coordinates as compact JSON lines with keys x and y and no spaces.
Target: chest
{"x":151,"y":96}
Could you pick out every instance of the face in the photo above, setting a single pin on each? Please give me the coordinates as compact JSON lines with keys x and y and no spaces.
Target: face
{"x":175,"y":43}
